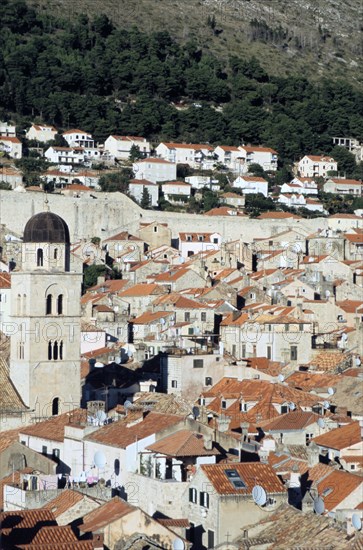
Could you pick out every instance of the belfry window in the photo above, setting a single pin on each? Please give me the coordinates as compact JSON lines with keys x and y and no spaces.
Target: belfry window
{"x":40,"y":257}
{"x":48,"y":306}
{"x":60,"y":304}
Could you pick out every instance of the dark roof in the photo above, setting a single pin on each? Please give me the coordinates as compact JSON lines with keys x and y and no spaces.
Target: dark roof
{"x":46,"y":227}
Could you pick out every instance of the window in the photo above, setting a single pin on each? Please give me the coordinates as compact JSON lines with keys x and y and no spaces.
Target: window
{"x":269,"y":352}
{"x":55,"y":406}
{"x":198,"y":363}
{"x":208,"y":381}
{"x":40,"y":257}
{"x":284,"y":409}
{"x":48,"y":305}
{"x":55,"y":254}
{"x":60,"y":304}
{"x":155,"y":229}
{"x":49,"y":351}
{"x":308,"y":438}
{"x":243,"y":407}
{"x":201,"y":401}
{"x":352,"y":466}
{"x":21,"y":350}
{"x":204,"y":499}
{"x":189,"y":238}
{"x":235,"y":479}
{"x":23,"y":442}
{"x":210,"y":539}
{"x":301,"y":327}
{"x":55,"y":350}
{"x":243,"y":350}
{"x":203,"y":316}
{"x":200,"y":238}
{"x":293,"y":353}
{"x":193,"y":495}
{"x":269,"y":328}
{"x":287,"y":327}
{"x":187,"y":316}
{"x":56,"y":453}
{"x":215,"y":240}
{"x":223,"y":404}
{"x":174,"y":384}
{"x":44,"y":450}
{"x":190,"y":331}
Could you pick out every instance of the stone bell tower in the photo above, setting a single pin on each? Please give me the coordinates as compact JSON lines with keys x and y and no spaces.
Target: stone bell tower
{"x":45,"y":310}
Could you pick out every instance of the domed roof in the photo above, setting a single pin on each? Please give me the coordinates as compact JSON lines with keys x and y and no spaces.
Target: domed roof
{"x":46,"y":227}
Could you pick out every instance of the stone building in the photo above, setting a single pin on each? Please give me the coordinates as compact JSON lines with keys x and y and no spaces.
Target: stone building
{"x":45,"y":312}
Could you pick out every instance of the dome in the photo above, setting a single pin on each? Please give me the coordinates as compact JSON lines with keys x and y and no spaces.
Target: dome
{"x":46,"y":227}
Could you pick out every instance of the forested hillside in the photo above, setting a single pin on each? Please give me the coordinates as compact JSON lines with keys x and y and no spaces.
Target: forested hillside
{"x":89,"y":74}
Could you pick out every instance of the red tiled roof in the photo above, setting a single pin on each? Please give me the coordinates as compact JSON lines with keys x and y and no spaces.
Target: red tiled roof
{"x":63,"y":502}
{"x":340,"y":438}
{"x":9,"y":138}
{"x":197,"y":146}
{"x":5,"y":280}
{"x":291,"y":421}
{"x":182,"y":443}
{"x":123,"y":236}
{"x":109,"y":512}
{"x":252,"y":473}
{"x":53,"y":429}
{"x":141,"y":289}
{"x":154,"y":160}
{"x":253,"y":178}
{"x":278,"y":216}
{"x":257,"y":149}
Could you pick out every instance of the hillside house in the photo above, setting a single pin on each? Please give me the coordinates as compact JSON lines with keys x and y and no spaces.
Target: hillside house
{"x":41,"y":133}
{"x":154,"y":169}
{"x":314,"y":166}
{"x":251,"y":184}
{"x":136,"y":190}
{"x":343,"y":186}
{"x":193,"y":243}
{"x":184,"y":153}
{"x":12,"y":146}
{"x":264,"y":156}
{"x":176,"y":191}
{"x":119,"y":147}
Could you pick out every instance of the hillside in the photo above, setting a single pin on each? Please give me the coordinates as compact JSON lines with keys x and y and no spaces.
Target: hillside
{"x":313,"y":38}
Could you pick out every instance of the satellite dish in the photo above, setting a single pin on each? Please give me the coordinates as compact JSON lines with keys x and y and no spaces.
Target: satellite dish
{"x":331,"y":391}
{"x":357,"y":522}
{"x":319,"y":507}
{"x":101,"y":416}
{"x":82,"y":476}
{"x":259,"y":495}
{"x":321,"y":423}
{"x":99,"y":459}
{"x":178,"y":544}
{"x":326,"y":405}
{"x":127,"y":404}
{"x":358,"y":361}
{"x":162,"y":321}
{"x":344,"y":336}
{"x":181,"y":260}
{"x":292,"y":406}
{"x":196,"y":412}
{"x":281,"y":378}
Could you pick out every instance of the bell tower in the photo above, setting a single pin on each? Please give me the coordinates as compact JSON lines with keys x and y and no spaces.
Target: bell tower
{"x":45,"y":310}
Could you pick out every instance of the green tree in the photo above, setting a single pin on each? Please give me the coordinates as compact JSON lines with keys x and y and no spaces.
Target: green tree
{"x":135,"y":153}
{"x":117,"y":181}
{"x":346,"y":161}
{"x":256,"y":169}
{"x":92,"y":273}
{"x":145,"y":199}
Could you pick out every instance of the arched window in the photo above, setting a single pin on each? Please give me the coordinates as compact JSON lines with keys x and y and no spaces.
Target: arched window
{"x":55,"y":406}
{"x":55,"y":350}
{"x":55,"y":254}
{"x":61,"y":349}
{"x":60,"y":304}
{"x":18,"y":304}
{"x":40,"y":257}
{"x":49,"y":350}
{"x":48,"y":307}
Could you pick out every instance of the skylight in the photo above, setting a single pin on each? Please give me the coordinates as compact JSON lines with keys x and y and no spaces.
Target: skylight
{"x":235,"y":479}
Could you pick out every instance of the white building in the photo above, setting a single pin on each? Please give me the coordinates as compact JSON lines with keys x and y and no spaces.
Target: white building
{"x":79,"y":138}
{"x":7,"y":130}
{"x":192,"y":243}
{"x":251,"y":184}
{"x":343,"y":186}
{"x":176,"y":191}
{"x":12,"y":146}
{"x":10,"y":175}
{"x":41,"y":133}
{"x":200,"y":182}
{"x":119,"y":147}
{"x":5,"y":297}
{"x":314,"y":166}
{"x":304,"y":186}
{"x":65,"y":155}
{"x":353,"y":145}
{"x":154,"y":169}
{"x":264,"y":156}
{"x":294,"y":200}
{"x":231,"y":157}
{"x":184,"y":153}
{"x":136,"y":189}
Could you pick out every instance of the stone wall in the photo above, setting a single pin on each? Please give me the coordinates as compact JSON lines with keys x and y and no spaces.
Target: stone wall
{"x":110,"y":213}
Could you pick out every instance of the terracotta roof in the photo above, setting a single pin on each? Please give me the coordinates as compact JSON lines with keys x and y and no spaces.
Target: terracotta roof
{"x":354,"y":238}
{"x":345,"y":181}
{"x":109,"y":512}
{"x":257,"y":149}
{"x":346,"y":216}
{"x":178,"y":183}
{"x":224,"y":211}
{"x":53,"y":429}
{"x":142,"y":182}
{"x":63,"y":502}
{"x":335,"y":487}
{"x":128,"y":138}
{"x":103,"y":309}
{"x":278,"y":216}
{"x":5,"y":280}
{"x":308,"y":381}
{"x":194,"y":237}
{"x":328,"y":360}
{"x":9,"y":138}
{"x":8,"y":437}
{"x":178,"y":301}
{"x":123,"y":236}
{"x":75,"y":131}
{"x":340,"y":438}
{"x":291,"y":421}
{"x":169,"y":522}
{"x":20,"y":527}
{"x":141,"y":289}
{"x":59,"y":534}
{"x":229,"y":148}
{"x":149,"y":317}
{"x":253,"y":178}
{"x":172,"y":275}
{"x":350,"y":306}
{"x":121,"y":434}
{"x":111,"y":285}
{"x":154,"y":160}
{"x":320,"y":158}
{"x":181,"y":444}
{"x":197,"y":146}
{"x":252,"y":473}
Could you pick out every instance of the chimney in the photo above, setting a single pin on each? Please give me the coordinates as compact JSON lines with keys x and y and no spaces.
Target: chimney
{"x":208,"y":442}
{"x":313,"y":454}
{"x":244,"y":428}
{"x":223,"y":423}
